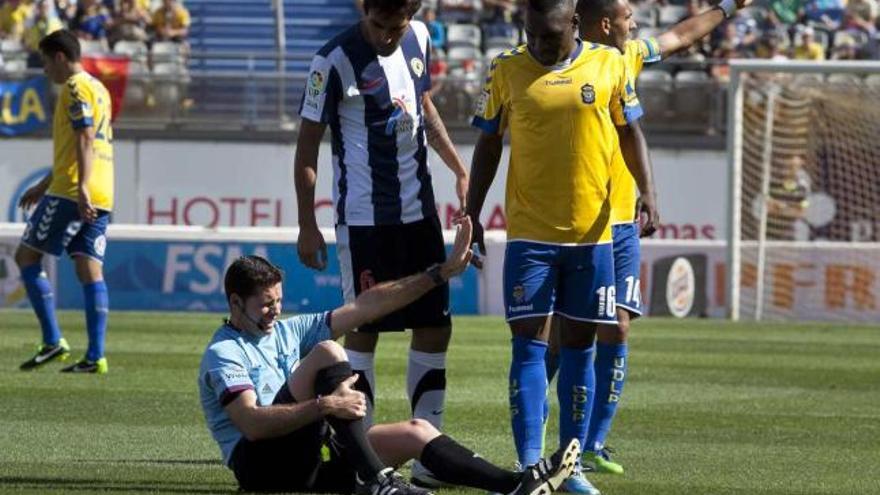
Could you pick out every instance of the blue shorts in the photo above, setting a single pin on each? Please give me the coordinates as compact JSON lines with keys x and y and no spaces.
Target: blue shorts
{"x":576,"y":282}
{"x":55,"y":226}
{"x":627,"y":256}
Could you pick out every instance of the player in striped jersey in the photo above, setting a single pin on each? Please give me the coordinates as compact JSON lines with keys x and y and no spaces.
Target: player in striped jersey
{"x":371,"y":86}
{"x":74,"y":202}
{"x":610,"y":22}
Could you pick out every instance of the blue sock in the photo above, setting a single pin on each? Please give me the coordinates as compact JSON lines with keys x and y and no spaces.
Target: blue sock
{"x":551,"y":362}
{"x":97,"y":307}
{"x":39,"y":292}
{"x":576,"y":388}
{"x":528,"y":390}
{"x":610,"y":376}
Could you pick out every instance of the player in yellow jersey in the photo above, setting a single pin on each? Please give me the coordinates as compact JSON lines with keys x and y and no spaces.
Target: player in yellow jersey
{"x":73,"y":205}
{"x":566,"y":103}
{"x":610,"y":22}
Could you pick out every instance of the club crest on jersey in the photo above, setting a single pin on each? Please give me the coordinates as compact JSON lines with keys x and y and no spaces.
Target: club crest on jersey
{"x":418,"y":67}
{"x":588,"y":94}
{"x":317,"y":82}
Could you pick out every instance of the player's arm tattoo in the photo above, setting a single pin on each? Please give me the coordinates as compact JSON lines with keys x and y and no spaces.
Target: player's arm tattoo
{"x":438,"y":138}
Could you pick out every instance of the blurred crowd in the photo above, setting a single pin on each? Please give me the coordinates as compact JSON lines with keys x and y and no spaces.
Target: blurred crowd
{"x":100,"y":24}
{"x":467,"y":34}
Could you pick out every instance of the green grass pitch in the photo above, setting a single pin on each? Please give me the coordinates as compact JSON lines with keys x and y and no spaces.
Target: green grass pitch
{"x":710,"y":408}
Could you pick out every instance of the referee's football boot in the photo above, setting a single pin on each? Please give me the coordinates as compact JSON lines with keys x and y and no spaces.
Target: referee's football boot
{"x":600,"y":462}
{"x":388,"y":482}
{"x":85,"y":366}
{"x":547,"y":475}
{"x":45,"y":354}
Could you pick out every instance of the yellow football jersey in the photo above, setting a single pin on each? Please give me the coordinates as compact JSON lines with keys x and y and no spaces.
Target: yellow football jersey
{"x":624,"y":191}
{"x":84,"y":102}
{"x":562,"y":137}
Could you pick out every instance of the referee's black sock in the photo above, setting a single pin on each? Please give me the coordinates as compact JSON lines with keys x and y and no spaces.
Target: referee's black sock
{"x":351,"y":434}
{"x":453,"y":463}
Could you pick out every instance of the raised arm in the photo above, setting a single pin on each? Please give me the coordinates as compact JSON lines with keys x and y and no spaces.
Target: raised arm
{"x":635,"y":154}
{"x":687,"y":32}
{"x":438,"y":138}
{"x":310,"y":246}
{"x":388,"y":297}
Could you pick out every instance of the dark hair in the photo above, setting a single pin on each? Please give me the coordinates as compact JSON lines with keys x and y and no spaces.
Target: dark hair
{"x":546,"y":6}
{"x":393,"y":6}
{"x":62,"y":41}
{"x":249,"y":274}
{"x":593,"y":10}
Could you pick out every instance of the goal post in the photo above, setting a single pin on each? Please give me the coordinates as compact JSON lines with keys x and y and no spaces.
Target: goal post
{"x":803,"y":146}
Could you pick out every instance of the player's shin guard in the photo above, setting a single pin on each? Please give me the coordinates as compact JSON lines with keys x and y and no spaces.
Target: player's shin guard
{"x":352,"y":434}
{"x":528,"y":390}
{"x":97,"y":309}
{"x":426,"y":385}
{"x":576,"y":390}
{"x":363,"y":364}
{"x":42,"y":299}
{"x":455,"y":464}
{"x":611,"y":360}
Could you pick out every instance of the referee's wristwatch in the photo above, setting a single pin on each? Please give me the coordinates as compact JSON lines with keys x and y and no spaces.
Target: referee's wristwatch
{"x":433,"y":271}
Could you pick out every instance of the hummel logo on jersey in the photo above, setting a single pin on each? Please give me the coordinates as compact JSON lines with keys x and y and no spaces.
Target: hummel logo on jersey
{"x":267,"y":389}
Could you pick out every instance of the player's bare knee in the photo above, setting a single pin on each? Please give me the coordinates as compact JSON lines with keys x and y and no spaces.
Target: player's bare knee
{"x":26,"y":257}
{"x":622,"y":330}
{"x":433,"y":340}
{"x":421,"y":431}
{"x":330,"y":351}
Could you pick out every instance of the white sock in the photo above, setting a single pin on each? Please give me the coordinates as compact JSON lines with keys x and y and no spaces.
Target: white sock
{"x":426,"y":385}
{"x":363,"y":363}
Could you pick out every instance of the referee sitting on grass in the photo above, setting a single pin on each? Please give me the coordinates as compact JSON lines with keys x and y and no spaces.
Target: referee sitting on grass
{"x":278,"y":397}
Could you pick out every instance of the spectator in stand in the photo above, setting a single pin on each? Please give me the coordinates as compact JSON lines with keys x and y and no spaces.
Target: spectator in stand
{"x":846,"y":49}
{"x":91,"y":22}
{"x":501,"y":25}
{"x":439,"y":68}
{"x":826,"y":13}
{"x":13,"y":17}
{"x":171,"y":22}
{"x":784,"y":12}
{"x":808,"y":48}
{"x":66,"y":10}
{"x":435,"y":28}
{"x":44,"y":22}
{"x":770,"y":48}
{"x":861,"y":15}
{"x":130,"y":22}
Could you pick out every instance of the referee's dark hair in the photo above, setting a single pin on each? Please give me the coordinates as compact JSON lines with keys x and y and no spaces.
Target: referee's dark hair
{"x":410,"y":7}
{"x":62,"y":41}
{"x":249,"y":274}
{"x":593,"y":10}
{"x":545,"y":6}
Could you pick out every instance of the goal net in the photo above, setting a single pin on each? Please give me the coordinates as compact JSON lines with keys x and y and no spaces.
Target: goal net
{"x":804,"y":147}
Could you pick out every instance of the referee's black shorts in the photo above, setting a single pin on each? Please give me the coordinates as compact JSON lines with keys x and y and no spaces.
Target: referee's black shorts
{"x":297,"y":462}
{"x":370,"y":255}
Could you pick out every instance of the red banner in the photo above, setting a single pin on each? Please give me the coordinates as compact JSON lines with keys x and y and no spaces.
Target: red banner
{"x":112,"y":70}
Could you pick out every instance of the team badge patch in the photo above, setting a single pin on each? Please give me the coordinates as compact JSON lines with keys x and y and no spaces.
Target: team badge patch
{"x":588,"y":94}
{"x":519,"y":294}
{"x":317,"y":82}
{"x":418,"y":67}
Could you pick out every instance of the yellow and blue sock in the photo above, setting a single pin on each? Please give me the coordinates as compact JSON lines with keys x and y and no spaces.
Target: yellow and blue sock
{"x":97,"y":308}
{"x":576,"y":389}
{"x":39,"y":292}
{"x":610,"y":368}
{"x":528,"y":389}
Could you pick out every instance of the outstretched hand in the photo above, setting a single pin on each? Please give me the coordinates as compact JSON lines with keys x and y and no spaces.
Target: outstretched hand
{"x":461,"y":253}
